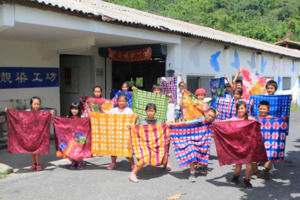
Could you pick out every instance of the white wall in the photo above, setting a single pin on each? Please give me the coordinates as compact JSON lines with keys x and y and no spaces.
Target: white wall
{"x":27,"y":54}
{"x":210,"y":58}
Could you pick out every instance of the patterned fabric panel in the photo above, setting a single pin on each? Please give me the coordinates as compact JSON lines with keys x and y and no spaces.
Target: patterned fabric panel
{"x":72,"y":137}
{"x":191,"y":143}
{"x":274,"y":131}
{"x":150,"y":143}
{"x":110,"y":134}
{"x":141,"y":98}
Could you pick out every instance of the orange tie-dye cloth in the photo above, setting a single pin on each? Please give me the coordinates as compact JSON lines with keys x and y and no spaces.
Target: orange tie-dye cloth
{"x":110,"y":135}
{"x":150,"y":143}
{"x":253,"y":84}
{"x":193,"y":108}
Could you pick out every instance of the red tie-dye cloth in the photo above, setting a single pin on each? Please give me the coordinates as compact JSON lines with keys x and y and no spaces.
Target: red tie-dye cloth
{"x":253,"y":84}
{"x":28,"y":131}
{"x":239,"y":142}
{"x":72,"y":137}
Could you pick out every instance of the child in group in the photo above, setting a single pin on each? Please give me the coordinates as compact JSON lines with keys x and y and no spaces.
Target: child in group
{"x":263,"y":109}
{"x":75,"y":112}
{"x":237,"y":93}
{"x":271,"y":87}
{"x":121,"y":109}
{"x":157,"y":89}
{"x":177,"y":107}
{"x":228,"y":91}
{"x":228,"y":88}
{"x":237,"y":83}
{"x":35,"y":103}
{"x":242,"y":114}
{"x":209,"y":116}
{"x":201,"y":94}
{"x":97,"y":92}
{"x":150,"y":111}
{"x":125,"y":86}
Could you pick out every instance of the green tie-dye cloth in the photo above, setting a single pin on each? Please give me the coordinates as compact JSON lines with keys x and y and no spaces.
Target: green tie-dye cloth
{"x":141,"y":98}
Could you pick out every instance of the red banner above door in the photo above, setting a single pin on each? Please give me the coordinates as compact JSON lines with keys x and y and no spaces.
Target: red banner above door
{"x":132,"y":55}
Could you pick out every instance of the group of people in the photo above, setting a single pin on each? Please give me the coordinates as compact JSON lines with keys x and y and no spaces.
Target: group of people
{"x":232,"y":91}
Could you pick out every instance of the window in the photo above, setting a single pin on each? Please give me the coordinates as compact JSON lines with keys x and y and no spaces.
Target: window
{"x":195,"y":82}
{"x":286,"y":83}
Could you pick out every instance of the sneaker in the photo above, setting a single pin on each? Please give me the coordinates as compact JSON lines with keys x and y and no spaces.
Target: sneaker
{"x":81,"y":165}
{"x":132,"y":177}
{"x":112,"y":166}
{"x":266,"y":174}
{"x":247,"y":183}
{"x":192,"y":178}
{"x":39,"y":168}
{"x":73,"y":165}
{"x":33,"y":167}
{"x":235,"y":179}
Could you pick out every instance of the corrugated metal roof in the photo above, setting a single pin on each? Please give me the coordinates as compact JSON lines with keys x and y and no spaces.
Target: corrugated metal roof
{"x":113,"y":13}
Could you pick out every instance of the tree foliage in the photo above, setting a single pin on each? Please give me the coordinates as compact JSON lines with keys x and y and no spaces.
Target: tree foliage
{"x":267,"y":20}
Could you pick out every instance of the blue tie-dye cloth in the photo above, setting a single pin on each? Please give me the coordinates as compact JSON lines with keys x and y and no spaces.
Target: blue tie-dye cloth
{"x":116,"y":94}
{"x":217,"y":87}
{"x":274,"y":131}
{"x":279,"y":105}
{"x":226,"y":107}
{"x":191,"y":143}
{"x":113,"y":93}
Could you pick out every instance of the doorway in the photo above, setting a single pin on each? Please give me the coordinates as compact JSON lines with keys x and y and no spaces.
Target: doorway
{"x":142,"y":74}
{"x":76,"y":79}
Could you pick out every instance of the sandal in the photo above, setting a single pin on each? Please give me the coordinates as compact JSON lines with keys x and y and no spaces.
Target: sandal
{"x":257,"y":174}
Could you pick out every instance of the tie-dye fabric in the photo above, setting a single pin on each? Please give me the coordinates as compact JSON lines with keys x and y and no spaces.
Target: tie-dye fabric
{"x":217,"y":87}
{"x":90,"y":104}
{"x":150,"y":143}
{"x":226,"y":107}
{"x":128,"y":95}
{"x":28,"y":131}
{"x":279,"y":105}
{"x":253,"y":84}
{"x":141,"y":98}
{"x":113,"y":93}
{"x":239,"y":142}
{"x":110,"y":134}
{"x":193,"y":108}
{"x":72,"y":137}
{"x":274,"y":131}
{"x":191,"y":143}
{"x":170,"y":87}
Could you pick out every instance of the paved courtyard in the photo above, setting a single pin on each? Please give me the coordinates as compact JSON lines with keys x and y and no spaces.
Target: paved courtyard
{"x":57,"y":181}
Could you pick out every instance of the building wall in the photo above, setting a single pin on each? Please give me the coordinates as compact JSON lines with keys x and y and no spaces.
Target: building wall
{"x":209,"y":58}
{"x":27,"y":54}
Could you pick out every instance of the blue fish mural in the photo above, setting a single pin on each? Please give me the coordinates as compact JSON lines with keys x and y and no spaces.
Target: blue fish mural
{"x":263,"y":64}
{"x":236,"y":64}
{"x":252,"y":63}
{"x":214,"y":61}
{"x":293,"y":66}
{"x":279,"y":83}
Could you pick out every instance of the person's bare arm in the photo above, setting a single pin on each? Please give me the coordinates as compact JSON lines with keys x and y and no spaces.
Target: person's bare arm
{"x":230,"y":83}
{"x":183,"y":80}
{"x":235,"y":78}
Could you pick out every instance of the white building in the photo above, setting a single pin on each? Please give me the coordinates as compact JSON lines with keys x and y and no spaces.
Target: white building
{"x":73,"y":36}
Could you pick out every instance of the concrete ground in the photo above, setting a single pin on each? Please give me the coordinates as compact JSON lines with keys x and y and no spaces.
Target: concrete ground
{"x":57,"y":181}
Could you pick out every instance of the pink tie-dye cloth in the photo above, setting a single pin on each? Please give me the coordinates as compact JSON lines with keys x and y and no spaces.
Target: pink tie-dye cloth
{"x":253,"y":84}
